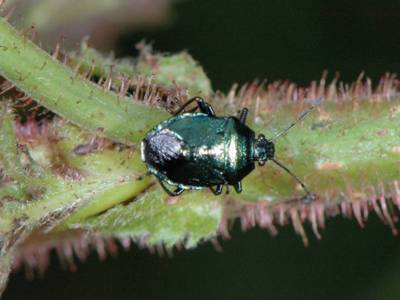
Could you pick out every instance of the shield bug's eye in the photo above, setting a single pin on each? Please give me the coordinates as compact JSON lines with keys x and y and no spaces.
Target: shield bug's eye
{"x":263,"y":149}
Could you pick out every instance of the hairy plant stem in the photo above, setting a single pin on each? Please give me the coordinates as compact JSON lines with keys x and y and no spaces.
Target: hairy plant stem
{"x":60,"y":90}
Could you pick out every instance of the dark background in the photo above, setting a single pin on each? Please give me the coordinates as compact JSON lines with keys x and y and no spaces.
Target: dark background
{"x":237,"y":41}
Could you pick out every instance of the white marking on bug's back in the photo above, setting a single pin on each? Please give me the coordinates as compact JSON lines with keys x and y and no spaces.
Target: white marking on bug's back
{"x":232,"y":152}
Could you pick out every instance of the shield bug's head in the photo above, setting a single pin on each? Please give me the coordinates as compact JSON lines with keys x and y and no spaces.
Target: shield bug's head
{"x":264,"y":149}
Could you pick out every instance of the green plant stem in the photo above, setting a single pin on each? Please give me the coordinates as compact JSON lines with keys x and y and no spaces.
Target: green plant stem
{"x":59,"y":89}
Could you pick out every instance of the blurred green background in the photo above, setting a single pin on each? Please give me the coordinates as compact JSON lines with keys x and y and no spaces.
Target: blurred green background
{"x":238,"y":41}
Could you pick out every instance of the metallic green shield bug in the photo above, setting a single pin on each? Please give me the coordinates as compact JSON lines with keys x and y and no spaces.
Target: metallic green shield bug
{"x":194,"y":150}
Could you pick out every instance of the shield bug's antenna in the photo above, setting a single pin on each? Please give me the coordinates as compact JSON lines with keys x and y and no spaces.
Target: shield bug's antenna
{"x":292,"y":174}
{"x":301,"y":117}
{"x":283,"y":132}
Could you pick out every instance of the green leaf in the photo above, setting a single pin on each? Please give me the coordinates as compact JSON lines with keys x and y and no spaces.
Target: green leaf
{"x":177,"y":69}
{"x":167,"y":71}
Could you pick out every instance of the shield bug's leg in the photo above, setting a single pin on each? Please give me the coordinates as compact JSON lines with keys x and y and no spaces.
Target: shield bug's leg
{"x":184,"y":106}
{"x":217,"y":190}
{"x":243,"y":115}
{"x":203,"y":106}
{"x":238,"y":187}
{"x":177,"y":192}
